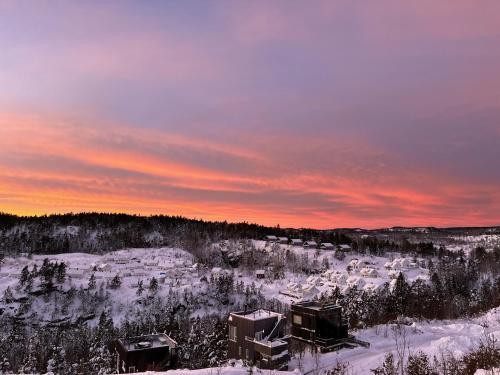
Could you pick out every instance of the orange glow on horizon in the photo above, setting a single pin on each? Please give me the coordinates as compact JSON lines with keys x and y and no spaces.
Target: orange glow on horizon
{"x":46,"y":170}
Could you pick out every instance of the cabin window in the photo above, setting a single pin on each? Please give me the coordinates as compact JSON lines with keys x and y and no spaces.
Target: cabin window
{"x":297,"y":319}
{"x":233,"y":333}
{"x":258,"y":335}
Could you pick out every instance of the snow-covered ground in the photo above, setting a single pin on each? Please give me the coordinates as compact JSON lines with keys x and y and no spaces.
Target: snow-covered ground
{"x":456,"y":337}
{"x":229,"y":370}
{"x":175,"y":270}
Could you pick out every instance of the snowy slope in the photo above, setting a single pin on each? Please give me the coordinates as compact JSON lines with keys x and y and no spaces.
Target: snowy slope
{"x":455,"y":337}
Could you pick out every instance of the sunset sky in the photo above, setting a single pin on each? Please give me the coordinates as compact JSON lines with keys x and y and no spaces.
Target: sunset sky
{"x":316,"y":113}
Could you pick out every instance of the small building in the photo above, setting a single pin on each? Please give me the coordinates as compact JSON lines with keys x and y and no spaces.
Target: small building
{"x":317,"y":324}
{"x":104,"y":267}
{"x":260,"y":274}
{"x":271,"y":238}
{"x":327,"y":246}
{"x":283,"y":240}
{"x":310,"y":244}
{"x":258,"y":336}
{"x":344,"y":247}
{"x":296,"y":242}
{"x":156,"y":352}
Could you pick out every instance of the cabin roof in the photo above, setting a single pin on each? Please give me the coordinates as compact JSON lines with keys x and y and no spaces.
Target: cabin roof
{"x":146,"y":342}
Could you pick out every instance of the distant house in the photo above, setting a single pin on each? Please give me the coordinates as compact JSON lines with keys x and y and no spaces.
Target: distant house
{"x":257,"y":336}
{"x":260,"y":274}
{"x":312,"y":244}
{"x":368,"y":272}
{"x":283,"y":240}
{"x":355,"y":281}
{"x":217,"y":273}
{"x":104,"y":267}
{"x":327,"y":246}
{"x":344,"y":247}
{"x":320,"y":325}
{"x":271,"y":238}
{"x":155,"y":352}
{"x":296,"y":242}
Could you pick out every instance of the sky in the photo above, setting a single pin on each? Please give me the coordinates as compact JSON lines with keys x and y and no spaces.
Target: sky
{"x":320,"y":114}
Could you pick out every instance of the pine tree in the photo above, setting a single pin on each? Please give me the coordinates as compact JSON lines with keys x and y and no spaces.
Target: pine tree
{"x":101,"y":360}
{"x":92,"y":282}
{"x":25,"y":273}
{"x":418,"y":364}
{"x":29,"y":365}
{"x":116,"y":282}
{"x":153,"y":285}
{"x":387,"y":367}
{"x":140,"y":287}
{"x":61,"y":272}
{"x":8,"y":297}
{"x":57,"y":361}
{"x":401,"y":294}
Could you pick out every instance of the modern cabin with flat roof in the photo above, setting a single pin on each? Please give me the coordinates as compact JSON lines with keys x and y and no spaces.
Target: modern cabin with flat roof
{"x":156,"y":352}
{"x":320,"y":325}
{"x":258,"y":337}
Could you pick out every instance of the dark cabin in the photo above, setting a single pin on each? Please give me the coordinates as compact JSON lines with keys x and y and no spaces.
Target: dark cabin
{"x":258,"y":336}
{"x":155,"y":352}
{"x":317,"y":324}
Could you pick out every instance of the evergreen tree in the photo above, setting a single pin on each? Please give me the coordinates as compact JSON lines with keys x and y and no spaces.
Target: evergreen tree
{"x":61,"y":272}
{"x":116,"y":282}
{"x":418,"y":364}
{"x":92,"y":281}
{"x":29,"y":365}
{"x":401,"y":294}
{"x":8,"y":297}
{"x":387,"y":367}
{"x":25,"y":273}
{"x":56,"y":363}
{"x":153,"y":285}
{"x":140,"y":287}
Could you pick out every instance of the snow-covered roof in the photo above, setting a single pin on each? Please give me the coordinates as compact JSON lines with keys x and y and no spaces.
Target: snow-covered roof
{"x":258,"y":314}
{"x":310,"y":243}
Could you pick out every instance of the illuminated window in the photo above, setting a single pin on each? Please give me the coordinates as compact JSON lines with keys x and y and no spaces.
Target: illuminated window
{"x":233,"y":335}
{"x":297,"y":319}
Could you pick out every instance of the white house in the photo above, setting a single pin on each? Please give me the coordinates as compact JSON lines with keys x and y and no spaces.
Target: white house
{"x":327,"y":246}
{"x":310,"y":244}
{"x":309,"y":292}
{"x":340,"y":278}
{"x":260,"y":274}
{"x":104,"y":267}
{"x":355,"y":281}
{"x":368,"y":272}
{"x":271,"y":238}
{"x":344,"y":247}
{"x":283,"y":240}
{"x":296,"y":242}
